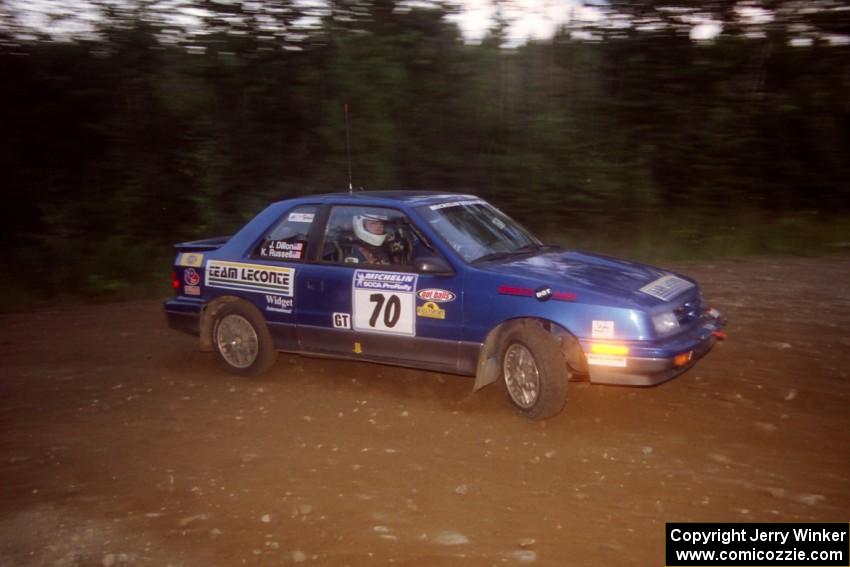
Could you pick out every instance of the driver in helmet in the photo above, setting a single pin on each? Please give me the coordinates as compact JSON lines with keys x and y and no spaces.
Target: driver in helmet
{"x":371,"y":237}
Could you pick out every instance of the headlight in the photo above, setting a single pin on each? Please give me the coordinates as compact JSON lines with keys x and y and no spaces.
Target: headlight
{"x":665,"y":323}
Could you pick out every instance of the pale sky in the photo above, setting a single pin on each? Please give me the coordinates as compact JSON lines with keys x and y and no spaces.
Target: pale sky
{"x":530,"y":19}
{"x":527,"y":19}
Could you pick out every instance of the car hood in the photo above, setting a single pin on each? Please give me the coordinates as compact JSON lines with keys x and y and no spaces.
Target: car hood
{"x":573,"y":271}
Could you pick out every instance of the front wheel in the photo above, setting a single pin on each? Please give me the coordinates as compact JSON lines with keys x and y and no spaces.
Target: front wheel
{"x":534,"y":372}
{"x":241,"y":339}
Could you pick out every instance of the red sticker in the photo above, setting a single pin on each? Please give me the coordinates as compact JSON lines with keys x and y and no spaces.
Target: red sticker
{"x":191,"y":277}
{"x":436,"y":295}
{"x":564,"y":296}
{"x":528,"y":292}
{"x":510,"y":290}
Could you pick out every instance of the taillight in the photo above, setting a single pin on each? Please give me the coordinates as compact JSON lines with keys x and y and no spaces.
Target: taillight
{"x":175,"y":282}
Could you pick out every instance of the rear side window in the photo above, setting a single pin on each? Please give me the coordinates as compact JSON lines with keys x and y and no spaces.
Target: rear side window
{"x":287,"y":240}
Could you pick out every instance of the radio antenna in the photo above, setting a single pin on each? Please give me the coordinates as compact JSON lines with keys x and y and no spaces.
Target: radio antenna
{"x":348,"y":150}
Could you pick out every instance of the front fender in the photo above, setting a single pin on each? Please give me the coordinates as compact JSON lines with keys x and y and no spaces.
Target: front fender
{"x":489,"y":365}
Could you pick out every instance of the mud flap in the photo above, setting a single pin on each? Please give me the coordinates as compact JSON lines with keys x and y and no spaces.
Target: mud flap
{"x":488,"y":372}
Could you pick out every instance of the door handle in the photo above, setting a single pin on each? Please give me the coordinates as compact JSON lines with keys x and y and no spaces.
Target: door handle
{"x":315,"y":285}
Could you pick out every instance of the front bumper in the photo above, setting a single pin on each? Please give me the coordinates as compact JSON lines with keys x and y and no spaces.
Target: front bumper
{"x":654,"y":363}
{"x":184,"y":314}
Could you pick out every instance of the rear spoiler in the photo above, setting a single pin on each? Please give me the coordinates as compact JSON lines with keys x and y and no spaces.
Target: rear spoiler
{"x":202,"y":245}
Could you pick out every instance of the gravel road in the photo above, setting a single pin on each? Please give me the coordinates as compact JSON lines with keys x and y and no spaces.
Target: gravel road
{"x":122,"y":444}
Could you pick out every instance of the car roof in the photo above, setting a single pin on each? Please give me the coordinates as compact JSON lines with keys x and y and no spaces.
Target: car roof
{"x":411,"y":198}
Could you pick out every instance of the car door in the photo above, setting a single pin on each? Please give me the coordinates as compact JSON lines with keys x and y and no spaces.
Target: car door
{"x":364,"y":300}
{"x":282,"y":250}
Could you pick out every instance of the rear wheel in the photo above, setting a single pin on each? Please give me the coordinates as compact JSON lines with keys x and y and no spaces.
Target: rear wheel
{"x":241,"y":339}
{"x":534,"y":372}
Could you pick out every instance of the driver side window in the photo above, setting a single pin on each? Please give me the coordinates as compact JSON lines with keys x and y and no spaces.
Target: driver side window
{"x":372,"y":236}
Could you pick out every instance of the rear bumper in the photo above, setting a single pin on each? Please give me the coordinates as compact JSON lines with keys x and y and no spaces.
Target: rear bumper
{"x":183,"y":314}
{"x":654,"y":364}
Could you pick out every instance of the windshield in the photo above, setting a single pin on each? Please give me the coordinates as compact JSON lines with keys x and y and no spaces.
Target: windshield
{"x":477,"y":231}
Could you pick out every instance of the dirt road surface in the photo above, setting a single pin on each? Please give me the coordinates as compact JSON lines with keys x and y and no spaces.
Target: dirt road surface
{"x":122,"y":444}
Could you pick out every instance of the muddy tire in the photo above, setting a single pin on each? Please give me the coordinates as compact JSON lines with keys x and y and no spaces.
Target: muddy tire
{"x":241,"y":340}
{"x":534,"y":371}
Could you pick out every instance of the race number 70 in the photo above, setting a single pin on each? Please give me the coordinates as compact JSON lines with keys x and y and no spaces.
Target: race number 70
{"x":387,"y":312}
{"x":391,"y":313}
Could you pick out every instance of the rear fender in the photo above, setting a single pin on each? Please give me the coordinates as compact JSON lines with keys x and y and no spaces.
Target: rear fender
{"x":208,"y":317}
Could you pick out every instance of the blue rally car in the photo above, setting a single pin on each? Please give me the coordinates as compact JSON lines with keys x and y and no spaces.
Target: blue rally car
{"x":437,"y":281}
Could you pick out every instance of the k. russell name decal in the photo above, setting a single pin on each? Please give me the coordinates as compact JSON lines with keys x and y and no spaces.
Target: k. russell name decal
{"x":282,"y":250}
{"x":250,"y":277}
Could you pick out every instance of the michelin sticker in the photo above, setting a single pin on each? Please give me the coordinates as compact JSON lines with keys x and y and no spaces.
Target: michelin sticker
{"x":258,"y":278}
{"x":384,"y":302}
{"x":602,"y":330}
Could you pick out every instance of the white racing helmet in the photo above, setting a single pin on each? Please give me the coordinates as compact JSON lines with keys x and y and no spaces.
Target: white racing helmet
{"x":364,"y":233}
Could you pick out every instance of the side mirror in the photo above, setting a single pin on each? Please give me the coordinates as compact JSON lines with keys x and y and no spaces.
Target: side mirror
{"x":434,"y":266}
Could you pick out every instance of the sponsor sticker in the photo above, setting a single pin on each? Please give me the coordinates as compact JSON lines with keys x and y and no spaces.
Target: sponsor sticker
{"x":436,"y":295}
{"x":279,"y":304}
{"x":191,"y":290}
{"x":190,"y":259}
{"x":540,"y":293}
{"x":667,"y":287}
{"x":511,"y":290}
{"x":250,"y":277}
{"x":385,"y":281}
{"x":431,"y":310}
{"x":384,"y":302}
{"x":342,"y":320}
{"x":456,"y":204}
{"x":564,"y":296}
{"x":191,"y":277}
{"x":282,"y":250}
{"x":606,"y":360}
{"x":602,"y":330}
{"x":447,"y":196}
{"x":300,"y":217}
{"x":543,"y":293}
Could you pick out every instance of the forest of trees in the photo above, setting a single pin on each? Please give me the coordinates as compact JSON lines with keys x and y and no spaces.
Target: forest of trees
{"x":139,"y":133}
